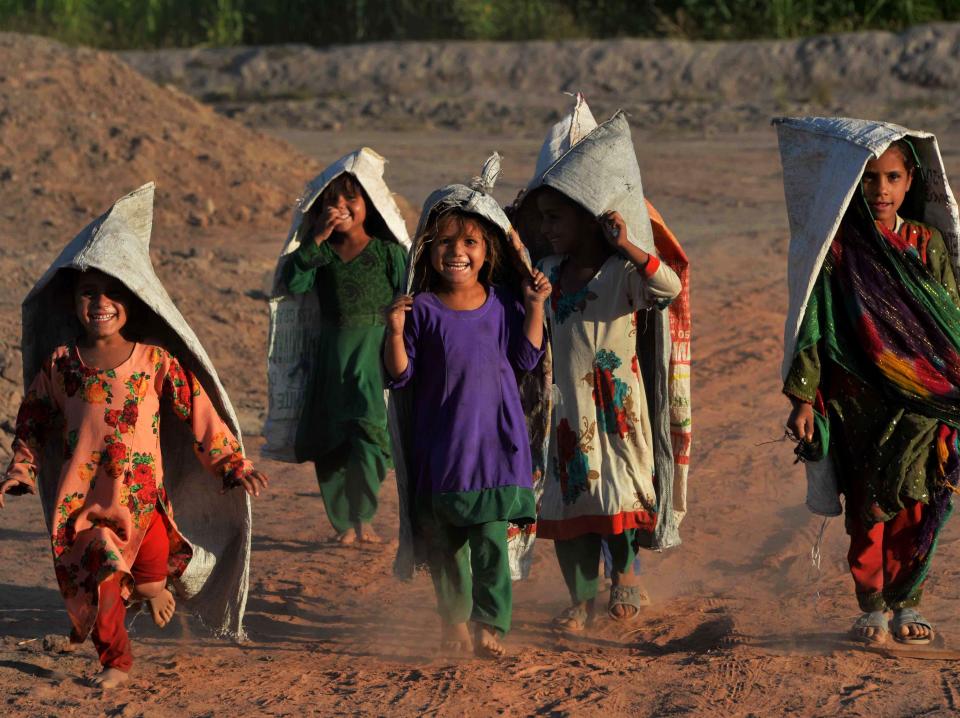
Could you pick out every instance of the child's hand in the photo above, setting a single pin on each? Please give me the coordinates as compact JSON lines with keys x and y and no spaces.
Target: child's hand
{"x":252,"y":483}
{"x":614,"y":229}
{"x":332,"y":216}
{"x":14,"y":487}
{"x":536,"y":288}
{"x":396,"y":314}
{"x":800,"y":422}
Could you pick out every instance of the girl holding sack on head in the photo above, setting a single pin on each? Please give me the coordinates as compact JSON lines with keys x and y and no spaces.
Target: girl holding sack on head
{"x":872,"y":362}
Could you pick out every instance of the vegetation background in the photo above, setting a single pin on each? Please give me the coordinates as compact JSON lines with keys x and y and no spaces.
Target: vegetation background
{"x":125,"y":24}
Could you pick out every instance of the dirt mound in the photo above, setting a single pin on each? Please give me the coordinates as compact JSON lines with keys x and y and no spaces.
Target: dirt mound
{"x":81,"y":127}
{"x":498,"y":86}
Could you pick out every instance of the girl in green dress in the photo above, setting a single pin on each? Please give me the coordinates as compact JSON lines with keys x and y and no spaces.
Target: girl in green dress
{"x":349,"y":257}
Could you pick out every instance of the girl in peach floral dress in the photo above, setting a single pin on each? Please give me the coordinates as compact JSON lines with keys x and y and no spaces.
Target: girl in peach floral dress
{"x":98,"y":401}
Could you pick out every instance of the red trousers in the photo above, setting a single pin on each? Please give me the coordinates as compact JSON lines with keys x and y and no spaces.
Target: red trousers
{"x":881,"y":559}
{"x":110,"y":630}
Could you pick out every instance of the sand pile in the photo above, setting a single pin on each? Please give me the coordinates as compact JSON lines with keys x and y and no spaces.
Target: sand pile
{"x":80,"y":128}
{"x":686,"y":85}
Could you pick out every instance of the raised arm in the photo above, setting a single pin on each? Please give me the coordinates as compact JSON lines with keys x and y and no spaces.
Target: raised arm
{"x":398,"y":343}
{"x":659,"y":284}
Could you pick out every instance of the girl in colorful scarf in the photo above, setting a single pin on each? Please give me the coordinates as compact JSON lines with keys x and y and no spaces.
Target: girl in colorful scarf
{"x":599,"y":483}
{"x":93,"y":411}
{"x":459,"y":351}
{"x":355,"y":264}
{"x":875,"y":385}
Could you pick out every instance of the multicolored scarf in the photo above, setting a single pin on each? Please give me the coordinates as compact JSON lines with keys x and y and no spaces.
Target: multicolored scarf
{"x":884,"y":318}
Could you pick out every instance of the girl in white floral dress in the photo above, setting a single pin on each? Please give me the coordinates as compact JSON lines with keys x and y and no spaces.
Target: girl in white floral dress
{"x":600,"y":479}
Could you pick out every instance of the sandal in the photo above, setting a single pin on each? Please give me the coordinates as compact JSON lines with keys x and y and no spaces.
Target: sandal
{"x":633,"y":596}
{"x":906,"y":616}
{"x":573,"y":619}
{"x":871,"y":619}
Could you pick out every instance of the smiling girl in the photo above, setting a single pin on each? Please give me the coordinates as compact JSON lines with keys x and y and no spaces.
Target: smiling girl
{"x":113,"y":533}
{"x":461,"y":349}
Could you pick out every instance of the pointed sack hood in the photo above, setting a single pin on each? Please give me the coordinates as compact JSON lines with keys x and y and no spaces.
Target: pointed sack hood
{"x":367,"y":167}
{"x":295,"y":319}
{"x":218,"y":527}
{"x":823,"y":159}
{"x":473,"y":198}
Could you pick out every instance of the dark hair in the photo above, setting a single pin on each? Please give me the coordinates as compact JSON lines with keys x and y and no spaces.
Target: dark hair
{"x":425,"y":276}
{"x":528,"y":220}
{"x":914,"y":204}
{"x":347,"y":185}
{"x":905,"y":149}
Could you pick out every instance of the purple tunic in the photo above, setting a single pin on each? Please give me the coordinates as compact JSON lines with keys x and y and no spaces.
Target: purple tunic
{"x":470,"y":434}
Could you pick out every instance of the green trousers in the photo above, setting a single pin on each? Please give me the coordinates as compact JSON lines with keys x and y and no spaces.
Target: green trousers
{"x":579,"y":560}
{"x":349,"y":479}
{"x":470,"y":572}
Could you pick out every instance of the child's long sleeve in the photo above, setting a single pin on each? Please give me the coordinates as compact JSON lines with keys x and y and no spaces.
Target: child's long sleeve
{"x":36,"y":419}
{"x":215,"y":445}
{"x":803,"y":379}
{"x":301,"y":269}
{"x":653,"y":285}
{"x":522,"y":355}
{"x":410,"y":334}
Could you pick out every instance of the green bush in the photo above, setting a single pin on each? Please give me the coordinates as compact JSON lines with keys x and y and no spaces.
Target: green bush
{"x":165,"y":23}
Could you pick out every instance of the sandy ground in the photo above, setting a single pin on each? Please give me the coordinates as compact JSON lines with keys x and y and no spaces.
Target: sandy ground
{"x":742,"y":624}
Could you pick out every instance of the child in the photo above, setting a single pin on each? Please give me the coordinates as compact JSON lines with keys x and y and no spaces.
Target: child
{"x":603,"y":452}
{"x":89,"y":434}
{"x":460,"y":351}
{"x":876,"y":359}
{"x":355,"y":263}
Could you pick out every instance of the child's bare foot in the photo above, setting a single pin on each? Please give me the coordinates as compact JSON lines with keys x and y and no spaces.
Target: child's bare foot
{"x":455,"y":638}
{"x":871,"y":627}
{"x":162,"y":607}
{"x":368,"y":535}
{"x":110,"y":678}
{"x":487,"y":642}
{"x":346,"y":538}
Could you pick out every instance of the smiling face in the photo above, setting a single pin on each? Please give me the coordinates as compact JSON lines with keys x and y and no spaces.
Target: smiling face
{"x":458,"y":251}
{"x":101,"y":303}
{"x":885,"y":183}
{"x":563,"y":223}
{"x":345,"y":196}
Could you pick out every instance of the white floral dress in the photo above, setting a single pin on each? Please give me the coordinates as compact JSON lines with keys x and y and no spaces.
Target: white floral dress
{"x":600,"y":463}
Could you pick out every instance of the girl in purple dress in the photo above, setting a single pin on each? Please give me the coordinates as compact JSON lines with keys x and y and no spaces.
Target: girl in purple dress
{"x":460,"y":352}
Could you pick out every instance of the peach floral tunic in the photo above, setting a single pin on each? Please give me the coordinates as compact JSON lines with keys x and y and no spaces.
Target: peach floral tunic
{"x":111,"y":481}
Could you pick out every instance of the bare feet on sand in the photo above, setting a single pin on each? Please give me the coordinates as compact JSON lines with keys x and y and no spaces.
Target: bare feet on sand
{"x":486,"y":642}
{"x":346,"y":538}
{"x":110,"y":678}
{"x":455,"y":638}
{"x":368,"y":535}
{"x":162,"y":607}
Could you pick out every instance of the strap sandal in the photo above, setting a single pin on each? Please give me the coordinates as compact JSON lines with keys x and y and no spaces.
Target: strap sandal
{"x":573,"y":619}
{"x":876,"y":620}
{"x":910,"y":616}
{"x":633,"y":596}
